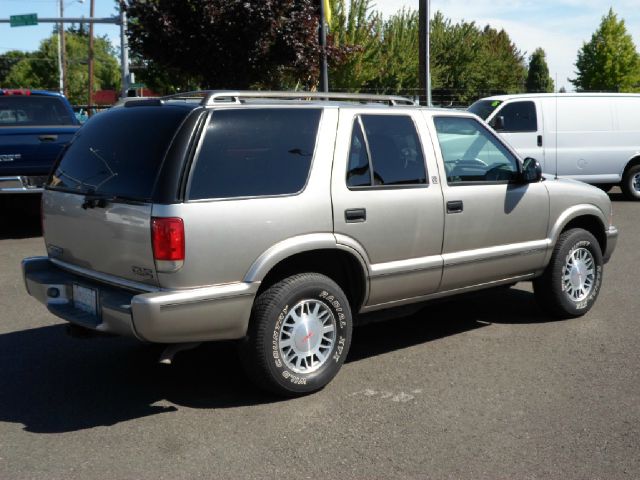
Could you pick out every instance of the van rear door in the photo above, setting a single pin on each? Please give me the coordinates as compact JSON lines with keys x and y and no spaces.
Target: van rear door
{"x":97,"y":205}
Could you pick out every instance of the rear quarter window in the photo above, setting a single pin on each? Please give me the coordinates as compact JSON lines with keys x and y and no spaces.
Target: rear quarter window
{"x":254,"y":152}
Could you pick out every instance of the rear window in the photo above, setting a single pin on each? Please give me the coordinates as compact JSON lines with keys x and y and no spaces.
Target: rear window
{"x":19,"y":111}
{"x":255,"y":152}
{"x":119,"y":152}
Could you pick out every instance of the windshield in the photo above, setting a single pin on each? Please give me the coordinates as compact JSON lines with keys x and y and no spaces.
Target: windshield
{"x":22,"y":111}
{"x":118,"y":152}
{"x":484,"y":108}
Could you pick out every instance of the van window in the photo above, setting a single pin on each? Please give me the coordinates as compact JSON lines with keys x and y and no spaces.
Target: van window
{"x":396,"y":154}
{"x":519,"y":117}
{"x":255,"y":152}
{"x":471,"y":153}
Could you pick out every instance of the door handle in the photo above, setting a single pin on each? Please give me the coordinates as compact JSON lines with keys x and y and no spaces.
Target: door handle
{"x":354,"y":215}
{"x":539,"y":140}
{"x":48,"y":138}
{"x":455,"y":206}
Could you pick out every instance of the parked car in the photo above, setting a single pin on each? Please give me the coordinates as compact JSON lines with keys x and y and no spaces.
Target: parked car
{"x":597,"y":138}
{"x":282,"y":219}
{"x":34,"y":127}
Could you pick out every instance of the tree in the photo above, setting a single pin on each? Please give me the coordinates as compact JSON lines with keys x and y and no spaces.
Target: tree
{"x":229,"y":44}
{"x":357,"y":35}
{"x":39,"y":70}
{"x":609,"y":61}
{"x":538,"y":79}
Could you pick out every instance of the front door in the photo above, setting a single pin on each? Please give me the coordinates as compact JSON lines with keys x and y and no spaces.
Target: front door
{"x":495,"y":226}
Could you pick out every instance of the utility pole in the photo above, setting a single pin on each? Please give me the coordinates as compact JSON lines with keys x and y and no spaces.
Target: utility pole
{"x":63,"y":53}
{"x":324,"y":76}
{"x":91,"y":14}
{"x":424,"y":52}
{"x":124,"y":51}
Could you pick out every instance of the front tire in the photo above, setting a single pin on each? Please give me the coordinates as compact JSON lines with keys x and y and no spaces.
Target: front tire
{"x":571,"y":282}
{"x":631,"y":183}
{"x":299,"y":335}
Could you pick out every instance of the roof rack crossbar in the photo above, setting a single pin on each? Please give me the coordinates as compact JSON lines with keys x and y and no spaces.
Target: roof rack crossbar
{"x":211,"y":97}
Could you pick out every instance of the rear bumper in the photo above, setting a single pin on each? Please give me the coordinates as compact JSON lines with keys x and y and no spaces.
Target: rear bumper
{"x":213,"y":313}
{"x":612,"y":240}
{"x":22,"y":184}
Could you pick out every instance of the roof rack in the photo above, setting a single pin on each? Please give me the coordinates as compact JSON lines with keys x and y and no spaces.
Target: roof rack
{"x":211,"y":97}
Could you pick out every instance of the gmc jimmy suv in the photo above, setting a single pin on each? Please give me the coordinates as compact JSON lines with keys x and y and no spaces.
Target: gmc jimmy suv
{"x":281,"y":219}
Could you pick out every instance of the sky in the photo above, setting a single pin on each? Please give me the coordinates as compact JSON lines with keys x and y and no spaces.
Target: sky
{"x":558,"y":26}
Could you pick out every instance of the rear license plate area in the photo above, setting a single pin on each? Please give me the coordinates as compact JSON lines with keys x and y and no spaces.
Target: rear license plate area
{"x":85,"y":299}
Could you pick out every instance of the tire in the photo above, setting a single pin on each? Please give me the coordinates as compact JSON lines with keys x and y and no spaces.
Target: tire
{"x":578,"y":253}
{"x":631,"y":183}
{"x":299,"y":335}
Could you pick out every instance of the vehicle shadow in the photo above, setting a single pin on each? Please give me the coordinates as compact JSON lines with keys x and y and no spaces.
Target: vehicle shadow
{"x":52,"y":383}
{"x":21,"y":216}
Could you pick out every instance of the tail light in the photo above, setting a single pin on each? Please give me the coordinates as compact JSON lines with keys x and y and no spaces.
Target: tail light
{"x":167,"y":237}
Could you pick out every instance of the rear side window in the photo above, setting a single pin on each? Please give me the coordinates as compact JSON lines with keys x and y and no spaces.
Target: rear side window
{"x":519,"y":117}
{"x":391,"y":154}
{"x":19,"y":111}
{"x":255,"y":152}
{"x":119,"y":152}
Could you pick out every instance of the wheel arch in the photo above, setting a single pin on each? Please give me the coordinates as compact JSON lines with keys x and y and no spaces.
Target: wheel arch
{"x":635,"y":160}
{"x":314,"y":253}
{"x":587,"y":217}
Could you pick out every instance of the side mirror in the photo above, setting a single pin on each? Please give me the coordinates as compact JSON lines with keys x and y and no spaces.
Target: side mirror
{"x":497,"y":123}
{"x":531,"y":170}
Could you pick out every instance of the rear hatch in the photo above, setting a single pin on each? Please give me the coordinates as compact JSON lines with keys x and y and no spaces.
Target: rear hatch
{"x":97,"y":204}
{"x":33,"y":131}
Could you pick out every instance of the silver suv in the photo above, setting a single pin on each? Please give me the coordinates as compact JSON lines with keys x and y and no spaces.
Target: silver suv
{"x":281,"y":219}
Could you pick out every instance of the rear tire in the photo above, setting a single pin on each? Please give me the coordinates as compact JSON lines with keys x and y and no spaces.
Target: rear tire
{"x":571,"y":282}
{"x":631,"y":183}
{"x":299,"y":335}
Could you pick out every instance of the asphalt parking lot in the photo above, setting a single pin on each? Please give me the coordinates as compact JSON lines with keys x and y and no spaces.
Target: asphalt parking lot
{"x":480,"y":387}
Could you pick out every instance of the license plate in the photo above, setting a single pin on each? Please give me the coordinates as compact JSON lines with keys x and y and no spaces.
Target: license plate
{"x":84,"y":299}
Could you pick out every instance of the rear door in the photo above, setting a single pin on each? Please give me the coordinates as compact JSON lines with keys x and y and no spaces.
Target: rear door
{"x":387,"y":200}
{"x":97,"y":204}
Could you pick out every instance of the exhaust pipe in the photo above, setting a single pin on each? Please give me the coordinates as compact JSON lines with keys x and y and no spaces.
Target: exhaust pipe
{"x":166,"y":358}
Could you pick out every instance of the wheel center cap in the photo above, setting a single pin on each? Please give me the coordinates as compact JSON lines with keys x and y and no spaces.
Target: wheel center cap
{"x":576,"y":276}
{"x":307,"y":334}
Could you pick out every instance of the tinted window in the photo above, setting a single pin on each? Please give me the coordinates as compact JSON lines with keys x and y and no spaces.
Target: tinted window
{"x":519,"y":117}
{"x":254,"y":152}
{"x":33,"y":110}
{"x":119,"y":152}
{"x":396,"y":154}
{"x":471,"y":153}
{"x":358,"y":172}
{"x":484,"y":108}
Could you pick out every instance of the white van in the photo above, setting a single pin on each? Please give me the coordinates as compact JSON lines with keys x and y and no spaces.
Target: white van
{"x":593,"y":137}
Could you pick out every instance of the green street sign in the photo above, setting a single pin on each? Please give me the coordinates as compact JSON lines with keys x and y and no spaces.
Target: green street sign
{"x":137,"y":85}
{"x":23,"y":20}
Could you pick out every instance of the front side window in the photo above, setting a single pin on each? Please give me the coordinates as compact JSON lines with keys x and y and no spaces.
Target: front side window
{"x":24,"y":111}
{"x":387,"y":152}
{"x":471,"y":153}
{"x":519,"y":117}
{"x":255,"y":152}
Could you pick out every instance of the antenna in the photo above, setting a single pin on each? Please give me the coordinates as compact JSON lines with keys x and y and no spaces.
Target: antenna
{"x":556,"y":149}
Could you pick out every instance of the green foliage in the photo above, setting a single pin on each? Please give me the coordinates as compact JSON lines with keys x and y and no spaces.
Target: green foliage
{"x":227,"y":44}
{"x":609,"y":61}
{"x":468,"y":62}
{"x":538,"y":79}
{"x":39,"y":70}
{"x":357,"y":34}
